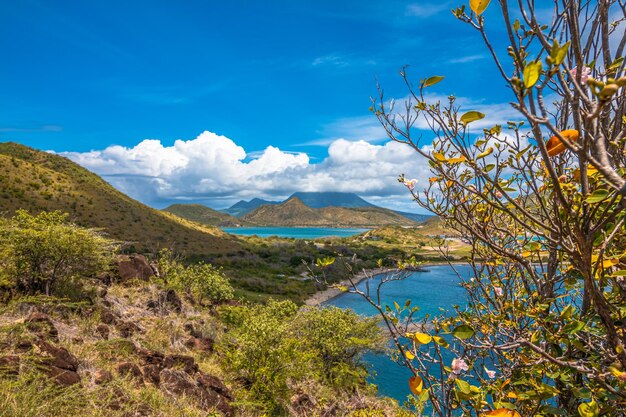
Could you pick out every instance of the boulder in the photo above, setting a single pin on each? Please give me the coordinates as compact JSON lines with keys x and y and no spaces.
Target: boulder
{"x":151,"y":357}
{"x":103,"y":330}
{"x":178,"y":383}
{"x":102,"y":376}
{"x":127,"y":328}
{"x":58,"y":357}
{"x":129,"y":369}
{"x":167,"y":302}
{"x":214,"y":383}
{"x":63,"y":376}
{"x":184,"y":362}
{"x":203,"y":344}
{"x":151,"y":374}
{"x":134,"y":267}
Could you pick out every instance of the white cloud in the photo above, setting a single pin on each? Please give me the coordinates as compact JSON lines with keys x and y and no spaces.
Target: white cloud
{"x":212,"y":167}
{"x":424,"y":9}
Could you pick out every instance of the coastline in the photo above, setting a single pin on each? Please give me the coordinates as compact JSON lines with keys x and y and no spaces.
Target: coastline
{"x":330,"y":293}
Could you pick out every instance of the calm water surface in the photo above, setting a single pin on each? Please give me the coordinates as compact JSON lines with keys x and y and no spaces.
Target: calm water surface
{"x":434,"y":291}
{"x":294,"y":232}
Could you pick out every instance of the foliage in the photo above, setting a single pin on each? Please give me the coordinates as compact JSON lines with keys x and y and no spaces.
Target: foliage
{"x":276,"y":346}
{"x":40,"y":254}
{"x":543,"y":207}
{"x":203,"y":281}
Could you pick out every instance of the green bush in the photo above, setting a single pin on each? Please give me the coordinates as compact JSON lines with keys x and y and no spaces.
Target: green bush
{"x":40,"y":254}
{"x":274,"y":347}
{"x":202,"y":281}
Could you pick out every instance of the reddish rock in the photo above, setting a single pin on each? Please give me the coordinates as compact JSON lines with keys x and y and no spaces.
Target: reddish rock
{"x":151,"y":374}
{"x":42,"y":325}
{"x":214,"y":383}
{"x":150,"y":357}
{"x":129,"y":369}
{"x":102,"y":376}
{"x":186,"y":363}
{"x":63,"y":376}
{"x":179,"y":383}
{"x":134,"y":267}
{"x":127,"y":328}
{"x":203,"y":344}
{"x":107,"y":316}
{"x":9,"y":365}
{"x":103,"y":330}
{"x":58,"y":357}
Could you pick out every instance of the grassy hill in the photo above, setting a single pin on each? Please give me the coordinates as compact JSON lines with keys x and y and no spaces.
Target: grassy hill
{"x":294,"y":212}
{"x":38,"y":181}
{"x":204,"y":215}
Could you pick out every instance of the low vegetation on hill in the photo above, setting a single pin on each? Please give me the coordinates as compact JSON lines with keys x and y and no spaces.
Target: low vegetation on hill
{"x":204,"y":215}
{"x":294,"y":212}
{"x":126,"y":337}
{"x":38,"y":181}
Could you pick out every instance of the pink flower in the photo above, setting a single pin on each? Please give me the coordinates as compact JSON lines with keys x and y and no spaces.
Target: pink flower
{"x":490,"y":374}
{"x":584,"y":75}
{"x":498,"y":194}
{"x":498,"y":291}
{"x":410,"y":184}
{"x":458,"y":366}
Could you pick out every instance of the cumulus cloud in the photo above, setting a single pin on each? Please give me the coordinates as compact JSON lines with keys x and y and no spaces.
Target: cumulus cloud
{"x":214,"y":168}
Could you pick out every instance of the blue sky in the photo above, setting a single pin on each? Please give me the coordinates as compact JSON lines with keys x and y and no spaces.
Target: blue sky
{"x":94,"y":80}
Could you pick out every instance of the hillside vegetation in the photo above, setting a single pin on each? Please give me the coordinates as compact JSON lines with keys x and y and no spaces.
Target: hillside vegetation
{"x":294,"y":212}
{"x":204,"y":215}
{"x":38,"y":181}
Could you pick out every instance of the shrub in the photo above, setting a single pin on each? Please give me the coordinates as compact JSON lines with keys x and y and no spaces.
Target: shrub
{"x":276,"y":346}
{"x":39,"y":254}
{"x":202,"y":281}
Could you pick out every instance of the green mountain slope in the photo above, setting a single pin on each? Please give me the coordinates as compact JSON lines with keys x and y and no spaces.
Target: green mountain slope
{"x":204,"y":215}
{"x":294,"y":212}
{"x":38,"y":181}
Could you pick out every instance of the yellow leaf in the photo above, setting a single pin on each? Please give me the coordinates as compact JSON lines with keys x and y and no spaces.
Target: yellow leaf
{"x":416,"y":385}
{"x":439,"y":157}
{"x":433,"y":179}
{"x":526,"y":254}
{"x":502,"y":412}
{"x":489,"y":151}
{"x":479,"y":6}
{"x":422,"y":338}
{"x":409,"y":355}
{"x":511,"y":395}
{"x":457,"y":160}
{"x":532,"y":72}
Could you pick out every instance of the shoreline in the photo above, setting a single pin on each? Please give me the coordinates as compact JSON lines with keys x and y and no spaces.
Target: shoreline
{"x":330,"y":293}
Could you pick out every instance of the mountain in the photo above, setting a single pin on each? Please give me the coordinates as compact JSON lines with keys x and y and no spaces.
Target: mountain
{"x":204,"y":215}
{"x":330,"y":199}
{"x":243,"y":207}
{"x":294,"y":212}
{"x":38,"y":181}
{"x":317,"y":200}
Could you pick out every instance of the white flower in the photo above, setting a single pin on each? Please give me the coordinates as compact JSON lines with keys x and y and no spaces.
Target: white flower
{"x":490,"y":374}
{"x":584,"y":75}
{"x":410,"y":184}
{"x":458,"y":366}
{"x":498,"y":291}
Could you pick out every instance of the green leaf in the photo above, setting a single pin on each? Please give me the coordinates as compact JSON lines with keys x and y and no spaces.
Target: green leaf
{"x":463,"y":332}
{"x":464,"y":387}
{"x":573,"y":327}
{"x":589,"y":409}
{"x":532,"y":73}
{"x":479,"y":6}
{"x":441,"y":341}
{"x":597,"y":196}
{"x":433,"y":80}
{"x":472,"y":116}
{"x":558,"y":53}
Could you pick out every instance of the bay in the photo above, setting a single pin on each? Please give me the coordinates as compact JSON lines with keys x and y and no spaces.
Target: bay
{"x":294,"y":232}
{"x":434,"y":291}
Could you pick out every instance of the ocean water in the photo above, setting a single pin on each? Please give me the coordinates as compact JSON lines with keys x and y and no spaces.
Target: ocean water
{"x":435,"y":291}
{"x":294,"y":232}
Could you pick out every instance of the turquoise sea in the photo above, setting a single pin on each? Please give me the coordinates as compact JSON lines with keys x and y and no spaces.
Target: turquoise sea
{"x":435,"y":291}
{"x":294,"y":232}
